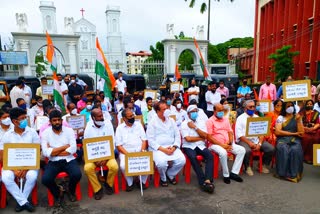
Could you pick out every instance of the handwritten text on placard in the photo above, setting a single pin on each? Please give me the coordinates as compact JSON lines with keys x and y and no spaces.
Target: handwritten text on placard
{"x":258,"y":128}
{"x":98,"y":150}
{"x":297,"y":91}
{"x":138,"y":164}
{"x":22,"y":157}
{"x":77,"y":122}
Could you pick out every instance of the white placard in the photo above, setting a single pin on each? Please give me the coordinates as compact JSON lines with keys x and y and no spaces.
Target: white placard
{"x":139,"y":164}
{"x":77,"y":122}
{"x":22,"y":157}
{"x":47,"y":89}
{"x":98,"y":150}
{"x":318,"y":156}
{"x":296,"y":90}
{"x":40,"y":121}
{"x":119,"y":106}
{"x":174,"y":87}
{"x":150,"y":93}
{"x":264,"y":107}
{"x":258,"y":128}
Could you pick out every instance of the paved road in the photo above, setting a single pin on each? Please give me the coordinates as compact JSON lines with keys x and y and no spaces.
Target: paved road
{"x":258,"y":194}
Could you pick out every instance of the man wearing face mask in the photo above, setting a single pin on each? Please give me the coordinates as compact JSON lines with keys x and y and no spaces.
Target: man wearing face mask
{"x":222,"y":89}
{"x":180,"y":114}
{"x":17,"y":92}
{"x":5,"y":123}
{"x":193,"y":91}
{"x":194,"y":134}
{"x":58,"y":144}
{"x":87,"y":110}
{"x":130,"y":137}
{"x":82,"y":103}
{"x":119,"y":103}
{"x":30,"y":113}
{"x":140,"y":102}
{"x":146,"y":111}
{"x":98,"y":127}
{"x":63,"y":87}
{"x":20,"y":133}
{"x":268,"y":91}
{"x":222,"y":142}
{"x":105,"y":101}
{"x":252,"y":143}
{"x":317,"y":104}
{"x":164,"y":140}
{"x":75,"y":91}
{"x":243,"y":90}
{"x":212,"y":97}
{"x":38,"y":108}
{"x":121,"y":85}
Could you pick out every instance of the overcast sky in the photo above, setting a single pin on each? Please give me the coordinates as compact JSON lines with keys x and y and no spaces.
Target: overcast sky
{"x":143,"y":22}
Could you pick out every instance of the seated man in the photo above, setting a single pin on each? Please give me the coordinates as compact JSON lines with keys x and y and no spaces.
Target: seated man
{"x":221,"y":142}
{"x":249,"y":143}
{"x":164,"y":140}
{"x":98,"y":127}
{"x":130,"y":137}
{"x":20,"y":133}
{"x":58,"y":144}
{"x":194,"y":133}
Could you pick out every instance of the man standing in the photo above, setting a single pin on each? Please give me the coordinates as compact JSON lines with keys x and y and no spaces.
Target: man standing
{"x":44,"y":81}
{"x":222,"y":142}
{"x":194,"y":134}
{"x":193,"y":91}
{"x":212,"y":97}
{"x":252,"y":143}
{"x":75,"y":91}
{"x":63,"y":87}
{"x":140,"y":102}
{"x":27,"y":91}
{"x":16,"y":92}
{"x":280,"y":93}
{"x":164,"y":140}
{"x":145,"y":112}
{"x":130,"y":137}
{"x":21,"y":133}
{"x":121,"y":85}
{"x":243,"y":90}
{"x":268,"y":91}
{"x":222,"y":89}
{"x":58,"y":144}
{"x":98,"y":127}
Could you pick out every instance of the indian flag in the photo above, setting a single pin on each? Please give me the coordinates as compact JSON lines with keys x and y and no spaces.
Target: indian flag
{"x":103,"y":70}
{"x":57,"y":94}
{"x":202,"y":64}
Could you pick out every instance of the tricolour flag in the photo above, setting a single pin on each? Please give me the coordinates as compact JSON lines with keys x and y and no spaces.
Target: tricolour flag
{"x":103,"y":70}
{"x":177,"y":74}
{"x":57,"y":94}
{"x":202,"y":64}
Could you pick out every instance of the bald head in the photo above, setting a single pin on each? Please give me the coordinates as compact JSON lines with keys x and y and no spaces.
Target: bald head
{"x":96,"y":112}
{"x":218,"y":107}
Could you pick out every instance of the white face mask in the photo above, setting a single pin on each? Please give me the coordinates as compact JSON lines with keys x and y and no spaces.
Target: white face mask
{"x":74,"y":111}
{"x":89,"y":107}
{"x":290,"y":110}
{"x":226,"y":107}
{"x":72,"y":81}
{"x":120,"y":78}
{"x":99,"y":123}
{"x":166,"y":113}
{"x":179,"y":106}
{"x":6,"y":121}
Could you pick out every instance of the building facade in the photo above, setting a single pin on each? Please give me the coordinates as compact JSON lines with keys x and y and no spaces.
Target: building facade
{"x":135,"y":61}
{"x":283,"y":22}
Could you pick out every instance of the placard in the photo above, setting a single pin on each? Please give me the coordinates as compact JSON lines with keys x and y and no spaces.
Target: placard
{"x":137,"y":119}
{"x":40,"y":121}
{"x":265,"y":106}
{"x":139,"y":163}
{"x":150,"y":93}
{"x":174,"y":87}
{"x":174,"y":117}
{"x":21,"y":156}
{"x":119,"y":106}
{"x":98,"y":149}
{"x":258,"y":126}
{"x":296,"y":90}
{"x":47,"y":89}
{"x":316,"y":154}
{"x":77,"y":122}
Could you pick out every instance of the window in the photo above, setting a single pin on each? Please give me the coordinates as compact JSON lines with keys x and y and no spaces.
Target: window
{"x":86,"y":66}
{"x":310,"y":28}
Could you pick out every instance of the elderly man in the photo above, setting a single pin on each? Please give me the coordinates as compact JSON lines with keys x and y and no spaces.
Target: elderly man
{"x":20,"y":133}
{"x":252,"y":143}
{"x":194,"y":133}
{"x":164,"y":140}
{"x":222,"y":142}
{"x":130,"y":137}
{"x":98,"y":127}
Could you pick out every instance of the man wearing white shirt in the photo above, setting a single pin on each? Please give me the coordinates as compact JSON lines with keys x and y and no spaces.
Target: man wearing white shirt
{"x":121,"y":85}
{"x":212,"y":97}
{"x":252,"y":143}
{"x":141,"y":102}
{"x":21,"y":133}
{"x":100,"y":85}
{"x":177,"y":110}
{"x":130,"y":137}
{"x":193,"y":91}
{"x":30,"y":113}
{"x":194,"y":134}
{"x":98,"y":127}
{"x":17,"y":92}
{"x":58,"y":144}
{"x":164,"y":140}
{"x":27,"y":91}
{"x":63,"y":87}
{"x":316,"y":104}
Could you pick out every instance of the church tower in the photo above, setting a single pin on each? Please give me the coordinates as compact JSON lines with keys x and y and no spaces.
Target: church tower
{"x":48,"y":13}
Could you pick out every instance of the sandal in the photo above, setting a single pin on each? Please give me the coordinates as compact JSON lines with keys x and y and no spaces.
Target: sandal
{"x":164,"y":183}
{"x":172,"y":181}
{"x":208,"y":187}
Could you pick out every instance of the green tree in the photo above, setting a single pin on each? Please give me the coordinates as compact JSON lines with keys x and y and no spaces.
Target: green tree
{"x":157,"y":52}
{"x":41,"y":64}
{"x":214,"y":55}
{"x":283,"y":61}
{"x":186,"y":60}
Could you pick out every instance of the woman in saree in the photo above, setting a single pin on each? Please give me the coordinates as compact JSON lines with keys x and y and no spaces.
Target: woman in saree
{"x":277,"y":107}
{"x":310,"y":119}
{"x":289,"y":154}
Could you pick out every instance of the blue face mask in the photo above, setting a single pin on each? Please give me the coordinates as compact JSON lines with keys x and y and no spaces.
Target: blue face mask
{"x":23,"y":106}
{"x":23,"y":124}
{"x":220,"y":114}
{"x":168,"y":102}
{"x":193,"y":115}
{"x":257,"y":108}
{"x":250,"y":112}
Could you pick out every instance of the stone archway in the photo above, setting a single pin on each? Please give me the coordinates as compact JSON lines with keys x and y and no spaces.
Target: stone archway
{"x":174,"y":47}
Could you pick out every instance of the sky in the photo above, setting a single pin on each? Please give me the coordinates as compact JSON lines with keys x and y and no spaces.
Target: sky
{"x":142,"y":22}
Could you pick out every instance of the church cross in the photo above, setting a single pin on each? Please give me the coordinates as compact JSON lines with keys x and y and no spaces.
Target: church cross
{"x":82,"y":11}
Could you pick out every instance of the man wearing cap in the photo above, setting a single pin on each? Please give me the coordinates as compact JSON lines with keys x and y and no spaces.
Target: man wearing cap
{"x":222,"y":142}
{"x":212,"y":97}
{"x":194,"y":134}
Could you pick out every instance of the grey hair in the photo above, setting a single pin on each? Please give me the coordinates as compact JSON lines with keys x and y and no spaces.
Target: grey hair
{"x":247,"y":102}
{"x":124,"y":112}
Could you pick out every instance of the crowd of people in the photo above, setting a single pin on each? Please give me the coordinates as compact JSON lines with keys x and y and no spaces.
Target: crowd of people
{"x":171,"y":130}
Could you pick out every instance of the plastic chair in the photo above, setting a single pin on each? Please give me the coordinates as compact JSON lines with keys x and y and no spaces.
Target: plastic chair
{"x":124,"y":182}
{"x":116,"y":183}
{"x":216,"y":161}
{"x":187,"y":168}
{"x":256,"y":154}
{"x":156,"y":179}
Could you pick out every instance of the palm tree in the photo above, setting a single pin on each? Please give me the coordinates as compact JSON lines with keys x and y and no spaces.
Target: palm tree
{"x":203,"y":9}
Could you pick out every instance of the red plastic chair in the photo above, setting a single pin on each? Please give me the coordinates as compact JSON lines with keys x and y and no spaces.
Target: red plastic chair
{"x":187,"y":168}
{"x":116,"y":183}
{"x":124,"y":182}
{"x":256,"y":154}
{"x":156,"y":179}
{"x":216,"y":161}
{"x":78,"y":190}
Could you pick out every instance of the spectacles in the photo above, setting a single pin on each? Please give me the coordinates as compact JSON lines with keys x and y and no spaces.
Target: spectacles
{"x":250,"y":107}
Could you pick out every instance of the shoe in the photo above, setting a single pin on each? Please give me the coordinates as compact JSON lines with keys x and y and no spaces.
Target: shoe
{"x":129,"y":188}
{"x":172,"y":181}
{"x":29,"y":207}
{"x":163,"y":183}
{"x":19,"y":208}
{"x":72,"y":197}
{"x":226,"y":180}
{"x":249,"y":171}
{"x":299,"y":176}
{"x":208,"y":187}
{"x":109,"y":189}
{"x":265,"y":170}
{"x":236,"y":177}
{"x":57,"y":202}
{"x":98,"y":195}
{"x":294,"y":180}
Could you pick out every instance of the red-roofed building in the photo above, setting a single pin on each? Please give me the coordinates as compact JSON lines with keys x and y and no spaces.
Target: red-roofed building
{"x":135,"y":61}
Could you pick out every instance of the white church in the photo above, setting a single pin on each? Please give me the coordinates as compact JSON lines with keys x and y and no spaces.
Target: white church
{"x":75,"y":46}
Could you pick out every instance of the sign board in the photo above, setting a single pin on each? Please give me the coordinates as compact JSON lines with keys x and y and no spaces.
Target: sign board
{"x":40,"y":121}
{"x":150,"y":93}
{"x":139,"y":163}
{"x":47,"y":89}
{"x":119,"y":107}
{"x":173,"y":116}
{"x":137,"y":118}
{"x":21,"y":156}
{"x":265,"y":106}
{"x":77,"y":122}
{"x":98,"y":149}
{"x":316,"y":154}
{"x":14,"y":57}
{"x":174,"y":87}
{"x":296,"y":90}
{"x":258,"y":126}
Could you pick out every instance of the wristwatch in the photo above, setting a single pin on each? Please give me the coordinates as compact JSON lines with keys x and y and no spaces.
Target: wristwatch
{"x":175,"y":146}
